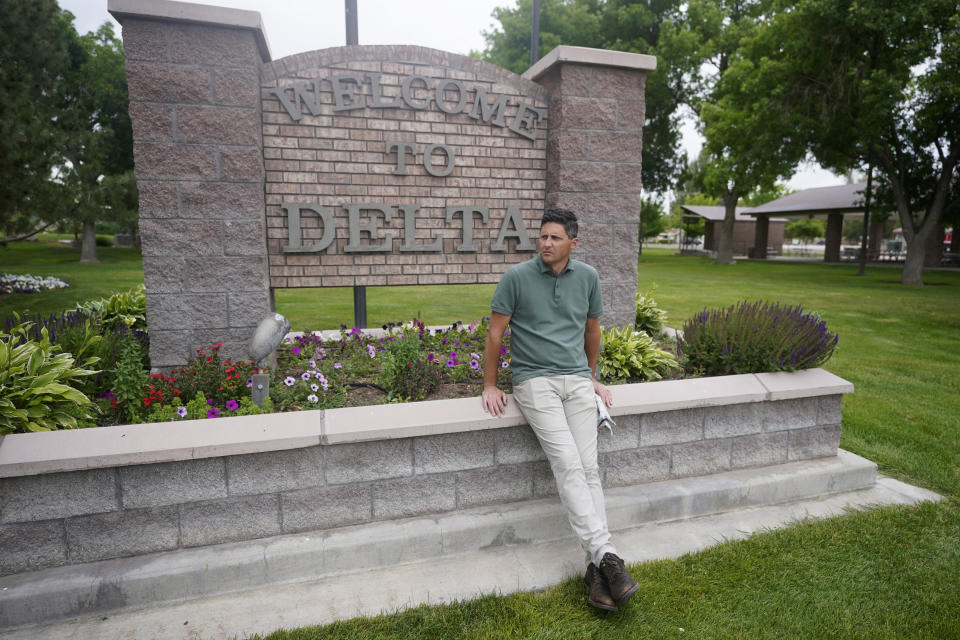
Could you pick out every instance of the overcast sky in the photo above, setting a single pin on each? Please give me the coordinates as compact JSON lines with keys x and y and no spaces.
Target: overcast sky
{"x":294,"y":26}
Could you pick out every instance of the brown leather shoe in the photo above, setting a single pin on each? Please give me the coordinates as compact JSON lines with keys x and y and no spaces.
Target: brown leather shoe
{"x":620,"y":583}
{"x":599,"y":592}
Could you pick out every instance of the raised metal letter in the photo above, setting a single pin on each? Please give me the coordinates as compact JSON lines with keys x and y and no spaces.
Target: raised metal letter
{"x":467,"y":212}
{"x":428,"y":160}
{"x":294,"y":235}
{"x":527,"y":116}
{"x":376,"y":94}
{"x":461,"y":96}
{"x":408,"y":96}
{"x":301,"y":93}
{"x":403,"y":148}
{"x":340,"y":92}
{"x":485,"y":111}
{"x":353,"y":213}
{"x":519,"y":232}
{"x":409,"y":212}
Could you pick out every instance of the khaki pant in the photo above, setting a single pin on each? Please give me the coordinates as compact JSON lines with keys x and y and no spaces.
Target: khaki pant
{"x":562,"y":412}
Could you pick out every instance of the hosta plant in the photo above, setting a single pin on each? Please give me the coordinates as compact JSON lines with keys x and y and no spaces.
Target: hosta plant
{"x":650,"y":317}
{"x":755,"y":337}
{"x":632,"y":355}
{"x":37,"y":391}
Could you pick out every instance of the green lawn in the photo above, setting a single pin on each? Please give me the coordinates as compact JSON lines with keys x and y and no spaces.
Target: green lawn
{"x":886,"y":573}
{"x":118,"y":269}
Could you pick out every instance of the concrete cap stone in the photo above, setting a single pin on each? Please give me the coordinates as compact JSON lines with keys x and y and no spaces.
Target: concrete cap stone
{"x":587,"y":55}
{"x":669,"y":395}
{"x":71,"y":450}
{"x":784,"y":385}
{"x":193,"y":13}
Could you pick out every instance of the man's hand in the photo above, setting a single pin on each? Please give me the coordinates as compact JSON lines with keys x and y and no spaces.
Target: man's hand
{"x":494,"y":401}
{"x":603,"y":392}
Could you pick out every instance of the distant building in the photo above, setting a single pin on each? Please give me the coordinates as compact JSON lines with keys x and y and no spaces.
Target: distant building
{"x":744,"y":229}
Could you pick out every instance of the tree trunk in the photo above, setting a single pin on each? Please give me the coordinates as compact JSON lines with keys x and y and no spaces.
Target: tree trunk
{"x":88,"y":245}
{"x":725,"y":244}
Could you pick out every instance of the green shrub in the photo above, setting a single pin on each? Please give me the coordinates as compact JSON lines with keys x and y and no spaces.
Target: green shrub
{"x":129,"y":379}
{"x":406,"y":373}
{"x":124,"y":307}
{"x":632,"y":355}
{"x":650,"y":317}
{"x":37,"y":384}
{"x":199,"y":408}
{"x":755,"y":337}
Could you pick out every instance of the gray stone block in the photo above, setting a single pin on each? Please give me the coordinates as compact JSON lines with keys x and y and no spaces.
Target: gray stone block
{"x":734,"y":420}
{"x":700,"y":458}
{"x":815,"y":442}
{"x":830,"y":410}
{"x":759,"y":450}
{"x":325,"y":507}
{"x":57,"y":495}
{"x":154,"y":485}
{"x":669,"y":427}
{"x":453,"y":452}
{"x":626,"y":435}
{"x":230,"y":520}
{"x":649,"y":464}
{"x":415,"y":496}
{"x":123,"y":533}
{"x":488,"y":486}
{"x":791,"y":414}
{"x":363,"y":461}
{"x":273,"y":471}
{"x":31,"y":546}
{"x":517,"y":444}
{"x":544,"y":484}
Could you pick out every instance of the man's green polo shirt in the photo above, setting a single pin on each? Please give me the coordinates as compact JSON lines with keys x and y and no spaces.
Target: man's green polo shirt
{"x":548,"y":316}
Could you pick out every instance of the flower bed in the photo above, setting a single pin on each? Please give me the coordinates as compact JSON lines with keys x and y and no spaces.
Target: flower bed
{"x":26,"y":283}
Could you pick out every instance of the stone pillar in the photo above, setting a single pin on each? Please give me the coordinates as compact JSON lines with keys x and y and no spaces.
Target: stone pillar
{"x":593,"y":160}
{"x":761,"y":235}
{"x":193,"y":74}
{"x":831,"y":252}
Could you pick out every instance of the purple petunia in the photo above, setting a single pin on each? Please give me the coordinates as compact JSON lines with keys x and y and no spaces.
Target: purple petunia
{"x":305,"y":375}
{"x":314,"y":387}
{"x":337,"y":365}
{"x":213,"y":412}
{"x":232,"y":405}
{"x":289,"y":381}
{"x":451,"y":363}
{"x":312,"y":398}
{"x":295,"y":350}
{"x":182,"y":412}
{"x":475,"y":364}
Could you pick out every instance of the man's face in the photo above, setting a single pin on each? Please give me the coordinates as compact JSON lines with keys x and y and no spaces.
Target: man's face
{"x":554,"y":244}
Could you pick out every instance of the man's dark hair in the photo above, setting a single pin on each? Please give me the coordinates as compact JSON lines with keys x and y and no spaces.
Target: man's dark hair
{"x":561,"y":216}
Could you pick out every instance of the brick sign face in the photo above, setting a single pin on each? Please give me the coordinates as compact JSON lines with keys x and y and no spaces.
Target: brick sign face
{"x":399,"y":165}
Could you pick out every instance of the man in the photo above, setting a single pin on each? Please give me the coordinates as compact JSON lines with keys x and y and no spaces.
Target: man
{"x":552,"y":304}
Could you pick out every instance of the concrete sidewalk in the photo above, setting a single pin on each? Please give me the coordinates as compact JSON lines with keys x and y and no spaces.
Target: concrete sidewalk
{"x":503,"y":564}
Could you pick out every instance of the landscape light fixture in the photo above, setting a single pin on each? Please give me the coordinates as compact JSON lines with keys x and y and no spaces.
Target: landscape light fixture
{"x":266,"y":338}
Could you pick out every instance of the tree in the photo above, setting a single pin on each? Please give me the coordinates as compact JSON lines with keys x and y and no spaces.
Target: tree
{"x":805,"y":229}
{"x":95,"y":138}
{"x":746,"y":148}
{"x":652,"y":220}
{"x":35,"y":39}
{"x":622,"y":25}
{"x":873,"y":83}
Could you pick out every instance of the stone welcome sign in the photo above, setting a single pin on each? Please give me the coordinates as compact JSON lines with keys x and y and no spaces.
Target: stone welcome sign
{"x":361,"y":166}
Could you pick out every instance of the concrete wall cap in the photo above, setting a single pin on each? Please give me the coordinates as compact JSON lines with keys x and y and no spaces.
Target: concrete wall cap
{"x":195,"y":14}
{"x":55,"y":451}
{"x":24,"y":454}
{"x":785,"y":385}
{"x":587,"y":55}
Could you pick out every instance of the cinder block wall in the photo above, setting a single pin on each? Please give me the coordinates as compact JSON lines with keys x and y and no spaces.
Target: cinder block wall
{"x":198,"y":151}
{"x":74,"y":517}
{"x":597,"y":114}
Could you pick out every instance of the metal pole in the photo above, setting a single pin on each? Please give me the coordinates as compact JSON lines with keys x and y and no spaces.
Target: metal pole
{"x":359,"y":293}
{"x":350,"y":11}
{"x":862,"y":270}
{"x":535,"y":34}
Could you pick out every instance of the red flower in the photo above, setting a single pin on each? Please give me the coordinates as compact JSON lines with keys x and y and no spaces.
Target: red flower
{"x":146,"y":402}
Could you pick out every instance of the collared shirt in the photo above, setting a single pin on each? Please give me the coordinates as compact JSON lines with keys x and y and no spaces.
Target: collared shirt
{"x":548,"y":316}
